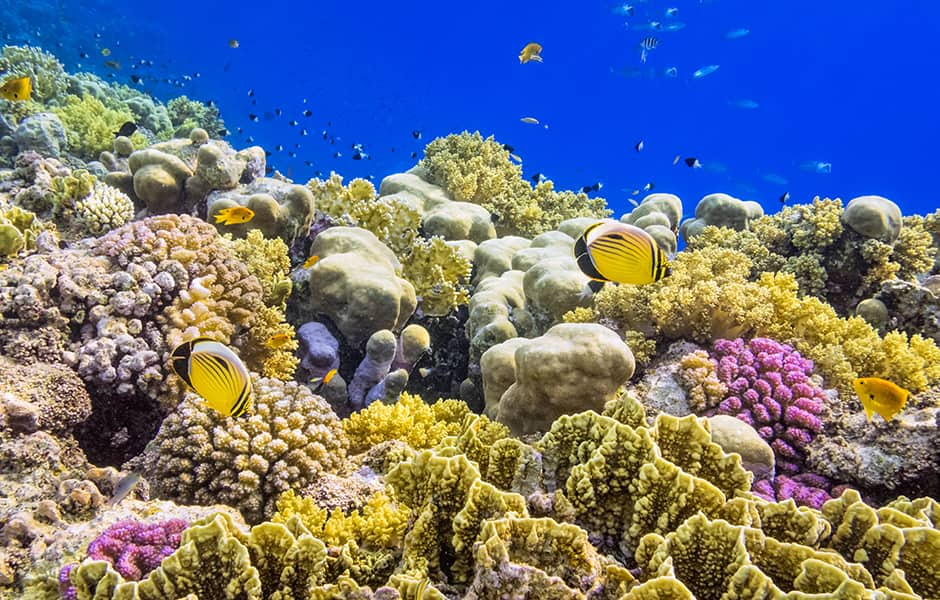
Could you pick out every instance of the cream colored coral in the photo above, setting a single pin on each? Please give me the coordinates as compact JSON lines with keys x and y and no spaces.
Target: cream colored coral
{"x":104,"y":209}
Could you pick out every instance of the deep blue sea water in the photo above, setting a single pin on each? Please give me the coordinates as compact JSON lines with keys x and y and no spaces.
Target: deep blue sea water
{"x":852,"y":84}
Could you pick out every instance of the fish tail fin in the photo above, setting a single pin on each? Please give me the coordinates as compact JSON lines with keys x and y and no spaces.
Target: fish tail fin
{"x":537,"y":58}
{"x":868,"y":413}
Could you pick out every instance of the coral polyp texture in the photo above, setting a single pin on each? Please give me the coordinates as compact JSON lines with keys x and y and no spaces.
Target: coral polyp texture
{"x":442,"y":405}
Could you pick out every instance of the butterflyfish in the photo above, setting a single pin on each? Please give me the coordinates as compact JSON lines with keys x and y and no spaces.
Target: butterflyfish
{"x":19,"y":88}
{"x":880,"y":396}
{"x":311,"y":261}
{"x":234,"y":215}
{"x":619,"y":252}
{"x":216,"y":373}
{"x":531,"y":52}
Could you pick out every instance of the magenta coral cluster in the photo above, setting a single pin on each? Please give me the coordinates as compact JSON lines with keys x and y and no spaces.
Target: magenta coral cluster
{"x":769,"y":388}
{"x":133,"y":548}
{"x":807,"y":489}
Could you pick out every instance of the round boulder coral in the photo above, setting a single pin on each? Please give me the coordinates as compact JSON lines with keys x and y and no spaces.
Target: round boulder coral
{"x":290,"y":438}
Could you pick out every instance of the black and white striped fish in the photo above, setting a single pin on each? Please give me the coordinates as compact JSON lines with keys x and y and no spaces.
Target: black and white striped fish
{"x":648,"y":43}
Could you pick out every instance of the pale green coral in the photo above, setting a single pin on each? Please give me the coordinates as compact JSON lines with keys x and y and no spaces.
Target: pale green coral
{"x":18,"y":230}
{"x":90,"y":125}
{"x":185,"y":115}
{"x":439,"y":274}
{"x":477,"y":170}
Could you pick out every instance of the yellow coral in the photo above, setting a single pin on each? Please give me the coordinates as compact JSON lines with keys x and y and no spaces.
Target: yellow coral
{"x":439,"y":274}
{"x":380,"y":523}
{"x":697,"y":375}
{"x":410,"y":420}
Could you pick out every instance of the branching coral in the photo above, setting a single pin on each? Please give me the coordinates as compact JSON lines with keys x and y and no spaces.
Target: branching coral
{"x":410,"y":419}
{"x":709,"y":297}
{"x":44,"y":70}
{"x":186,"y":114}
{"x":473,"y":169}
{"x":90,"y":125}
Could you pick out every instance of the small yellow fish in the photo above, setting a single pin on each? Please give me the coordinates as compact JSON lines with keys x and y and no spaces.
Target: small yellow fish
{"x":530,"y":53}
{"x":216,"y":373}
{"x":311,"y":261}
{"x":322,"y":381}
{"x":233,"y":43}
{"x":530,"y":120}
{"x":880,"y":396}
{"x":278,"y":340}
{"x":20,"y":88}
{"x":234,"y":215}
{"x":105,"y":52}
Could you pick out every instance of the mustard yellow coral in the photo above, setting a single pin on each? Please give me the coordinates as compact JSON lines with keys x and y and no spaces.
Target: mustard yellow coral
{"x":380,"y":523}
{"x":410,"y":419}
{"x":90,"y":125}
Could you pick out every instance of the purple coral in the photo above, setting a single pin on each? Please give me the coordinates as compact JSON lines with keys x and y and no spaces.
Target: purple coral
{"x":806,"y":489}
{"x":770,"y":389}
{"x":133,"y":548}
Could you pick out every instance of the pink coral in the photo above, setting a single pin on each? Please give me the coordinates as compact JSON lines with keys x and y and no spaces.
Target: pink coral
{"x":769,"y":388}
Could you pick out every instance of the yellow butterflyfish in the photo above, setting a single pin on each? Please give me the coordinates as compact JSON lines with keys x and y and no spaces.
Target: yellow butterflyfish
{"x":216,"y":373}
{"x":619,"y":252}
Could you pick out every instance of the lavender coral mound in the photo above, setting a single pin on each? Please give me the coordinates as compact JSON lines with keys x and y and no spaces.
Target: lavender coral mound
{"x":201,"y":457}
{"x":770,"y":389}
{"x":136,"y":548}
{"x":133,"y":548}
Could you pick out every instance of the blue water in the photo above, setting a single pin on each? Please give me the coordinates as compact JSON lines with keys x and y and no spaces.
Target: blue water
{"x":852,"y":84}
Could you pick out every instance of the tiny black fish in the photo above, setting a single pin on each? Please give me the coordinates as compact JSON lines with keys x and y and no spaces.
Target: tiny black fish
{"x":303,"y":132}
{"x":508,"y":148}
{"x":292,"y":154}
{"x":592,"y":188}
{"x":325,"y":135}
{"x":127,"y":129}
{"x":293,"y":123}
{"x":238,"y":130}
{"x":250,"y":140}
{"x":267,"y":153}
{"x":538,"y":178}
{"x":414,"y":155}
{"x":308,"y":163}
{"x":278,"y":111}
{"x":357,"y":155}
{"x":251,"y":93}
{"x":224,"y":132}
{"x":136,"y":78}
{"x":639,"y":146}
{"x":253,"y":117}
{"x":308,"y":113}
{"x":279,"y":147}
{"x":83,"y":55}
{"x":337,"y":154}
{"x":693,"y":163}
{"x":416,"y":134}
{"x":784,"y":198}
